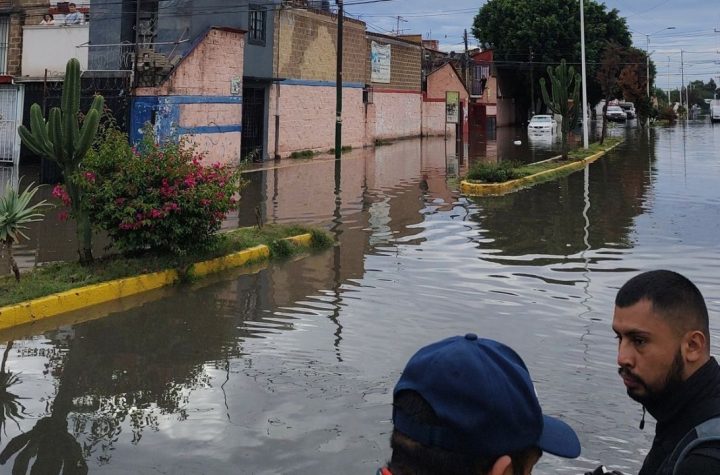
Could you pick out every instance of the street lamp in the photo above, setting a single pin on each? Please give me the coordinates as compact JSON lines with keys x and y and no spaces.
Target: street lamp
{"x":584,"y":81}
{"x":647,"y":58}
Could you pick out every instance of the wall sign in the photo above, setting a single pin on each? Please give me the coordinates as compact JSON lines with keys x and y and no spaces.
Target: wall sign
{"x":452,"y":107}
{"x":380,"y":60}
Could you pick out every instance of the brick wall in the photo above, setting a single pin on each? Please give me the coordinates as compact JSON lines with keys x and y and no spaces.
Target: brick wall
{"x":306,"y":46}
{"x":24,"y":12}
{"x":405,"y":64}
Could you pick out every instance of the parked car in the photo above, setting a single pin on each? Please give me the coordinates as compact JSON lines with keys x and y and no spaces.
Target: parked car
{"x":542,"y":123}
{"x":616,"y":114}
{"x":629,"y":109}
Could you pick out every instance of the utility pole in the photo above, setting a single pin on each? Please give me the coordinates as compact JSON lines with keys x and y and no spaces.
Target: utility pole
{"x":339,"y":82}
{"x":466,"y":61}
{"x":532,"y":83}
{"x":682,"y":76}
{"x":397,"y":27}
{"x":668,"y":89}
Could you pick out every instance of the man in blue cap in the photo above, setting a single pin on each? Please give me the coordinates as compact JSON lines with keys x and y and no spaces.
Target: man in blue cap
{"x":467,"y":405}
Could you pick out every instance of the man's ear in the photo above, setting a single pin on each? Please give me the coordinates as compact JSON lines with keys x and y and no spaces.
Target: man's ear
{"x":502,"y":466}
{"x":695,"y":346}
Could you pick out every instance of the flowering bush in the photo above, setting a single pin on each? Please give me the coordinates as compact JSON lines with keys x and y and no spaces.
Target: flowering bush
{"x":158,"y":197}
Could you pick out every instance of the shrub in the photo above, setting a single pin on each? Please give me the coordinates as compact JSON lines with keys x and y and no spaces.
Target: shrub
{"x":158,"y":197}
{"x":495,"y":172}
{"x":302,"y":154}
{"x":667,"y":113}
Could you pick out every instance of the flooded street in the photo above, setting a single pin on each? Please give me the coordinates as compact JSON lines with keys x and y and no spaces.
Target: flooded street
{"x":291,"y":369}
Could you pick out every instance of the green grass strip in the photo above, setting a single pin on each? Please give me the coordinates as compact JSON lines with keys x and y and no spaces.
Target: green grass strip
{"x":61,"y":276}
{"x":510,"y":170}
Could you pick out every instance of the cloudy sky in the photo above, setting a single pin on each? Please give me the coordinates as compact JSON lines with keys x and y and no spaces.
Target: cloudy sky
{"x":696,"y":28}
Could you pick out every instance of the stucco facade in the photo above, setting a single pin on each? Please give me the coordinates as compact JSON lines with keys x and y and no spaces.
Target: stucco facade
{"x":201,"y":100}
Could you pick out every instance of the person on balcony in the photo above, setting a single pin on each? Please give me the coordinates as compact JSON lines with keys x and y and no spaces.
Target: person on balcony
{"x":74,"y":17}
{"x":48,"y":19}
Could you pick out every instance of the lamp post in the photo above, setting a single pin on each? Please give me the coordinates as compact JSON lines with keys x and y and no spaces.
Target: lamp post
{"x":584,"y":76}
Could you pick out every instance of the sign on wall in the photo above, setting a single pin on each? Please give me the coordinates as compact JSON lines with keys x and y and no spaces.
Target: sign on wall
{"x":452,"y":107}
{"x":380,"y":59}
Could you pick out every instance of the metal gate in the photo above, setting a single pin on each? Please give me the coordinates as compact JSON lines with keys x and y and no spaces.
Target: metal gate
{"x":11,"y":110}
{"x":253,"y":118}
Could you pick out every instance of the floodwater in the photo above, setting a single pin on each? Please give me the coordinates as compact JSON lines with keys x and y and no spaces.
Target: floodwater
{"x":290,"y":369}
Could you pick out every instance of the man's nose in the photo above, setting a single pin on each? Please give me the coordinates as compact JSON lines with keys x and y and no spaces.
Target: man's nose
{"x":625,"y":357}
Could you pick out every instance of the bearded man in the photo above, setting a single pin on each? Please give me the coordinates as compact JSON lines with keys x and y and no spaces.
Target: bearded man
{"x":662,"y":328}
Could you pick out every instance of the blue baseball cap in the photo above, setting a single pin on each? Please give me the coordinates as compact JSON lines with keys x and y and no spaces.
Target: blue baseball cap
{"x":482,"y":393}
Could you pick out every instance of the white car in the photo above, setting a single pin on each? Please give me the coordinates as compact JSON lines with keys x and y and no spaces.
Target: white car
{"x":542,"y":123}
{"x":616,"y":114}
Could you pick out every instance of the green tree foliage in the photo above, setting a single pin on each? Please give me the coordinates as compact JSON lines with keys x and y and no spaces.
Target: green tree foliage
{"x":700,"y":90}
{"x":565,"y":98}
{"x":551,"y":30}
{"x":61,"y":139}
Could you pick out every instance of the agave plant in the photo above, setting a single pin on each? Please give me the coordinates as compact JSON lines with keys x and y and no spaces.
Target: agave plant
{"x":16,"y":213}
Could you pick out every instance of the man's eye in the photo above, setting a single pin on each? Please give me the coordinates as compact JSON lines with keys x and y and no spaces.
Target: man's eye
{"x":639,"y":341}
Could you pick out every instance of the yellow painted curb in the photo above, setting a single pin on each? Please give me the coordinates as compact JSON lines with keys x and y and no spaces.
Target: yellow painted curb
{"x":496,"y":189}
{"x":82,"y":297}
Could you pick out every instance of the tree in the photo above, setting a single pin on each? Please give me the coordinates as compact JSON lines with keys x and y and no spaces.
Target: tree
{"x":551,"y":30}
{"x":607,"y":77}
{"x":565,"y":98}
{"x":61,"y":139}
{"x":633,"y":82}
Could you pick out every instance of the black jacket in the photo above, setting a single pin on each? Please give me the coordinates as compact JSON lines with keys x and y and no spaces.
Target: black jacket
{"x":695,"y":401}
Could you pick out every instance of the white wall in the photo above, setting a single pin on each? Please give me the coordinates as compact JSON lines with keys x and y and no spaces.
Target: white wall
{"x":50,"y":47}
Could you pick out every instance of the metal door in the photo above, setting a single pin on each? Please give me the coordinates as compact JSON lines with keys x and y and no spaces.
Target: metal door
{"x":253,"y":121}
{"x":11,"y":104}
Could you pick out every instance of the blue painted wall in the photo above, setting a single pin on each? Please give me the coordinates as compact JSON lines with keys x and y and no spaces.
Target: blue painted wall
{"x":163,"y":112}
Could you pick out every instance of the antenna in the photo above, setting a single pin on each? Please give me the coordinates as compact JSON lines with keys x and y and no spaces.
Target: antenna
{"x":397,"y":28}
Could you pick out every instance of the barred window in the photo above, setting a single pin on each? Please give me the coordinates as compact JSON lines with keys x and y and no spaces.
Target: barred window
{"x":4,"y":39}
{"x":257,"y":21}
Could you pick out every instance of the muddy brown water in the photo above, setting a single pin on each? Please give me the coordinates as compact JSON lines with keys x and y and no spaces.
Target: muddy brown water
{"x":291,"y":369}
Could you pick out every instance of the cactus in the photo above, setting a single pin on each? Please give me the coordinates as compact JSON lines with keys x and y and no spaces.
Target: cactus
{"x":565,"y":98}
{"x":61,"y":139}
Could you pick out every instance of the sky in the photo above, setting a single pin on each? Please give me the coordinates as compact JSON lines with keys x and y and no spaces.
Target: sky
{"x":696,"y":29}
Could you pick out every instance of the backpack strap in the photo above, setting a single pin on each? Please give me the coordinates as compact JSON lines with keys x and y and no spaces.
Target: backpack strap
{"x":708,"y":431}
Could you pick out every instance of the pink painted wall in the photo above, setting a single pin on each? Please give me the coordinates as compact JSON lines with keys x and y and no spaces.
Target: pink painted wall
{"x":434,"y":119}
{"x":443,"y":80}
{"x":208,"y":70}
{"x":307,"y":119}
{"x":397,"y":115}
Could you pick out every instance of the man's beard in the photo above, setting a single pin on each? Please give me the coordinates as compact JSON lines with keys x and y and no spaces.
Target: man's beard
{"x":673,"y":379}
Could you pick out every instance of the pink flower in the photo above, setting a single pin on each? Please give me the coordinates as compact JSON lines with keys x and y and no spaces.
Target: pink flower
{"x":90,"y":176}
{"x":63,"y":216}
{"x":156,"y":214}
{"x":205,"y":202}
{"x":60,"y":193}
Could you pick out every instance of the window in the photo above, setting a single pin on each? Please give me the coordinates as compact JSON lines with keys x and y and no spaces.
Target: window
{"x":4,"y":46}
{"x":257,"y":20}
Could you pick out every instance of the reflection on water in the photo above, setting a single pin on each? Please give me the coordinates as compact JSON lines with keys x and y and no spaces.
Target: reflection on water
{"x":290,"y":369}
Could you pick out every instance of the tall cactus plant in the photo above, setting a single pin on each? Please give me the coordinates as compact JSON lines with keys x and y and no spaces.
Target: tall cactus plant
{"x":565,"y":99}
{"x":63,"y":140}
